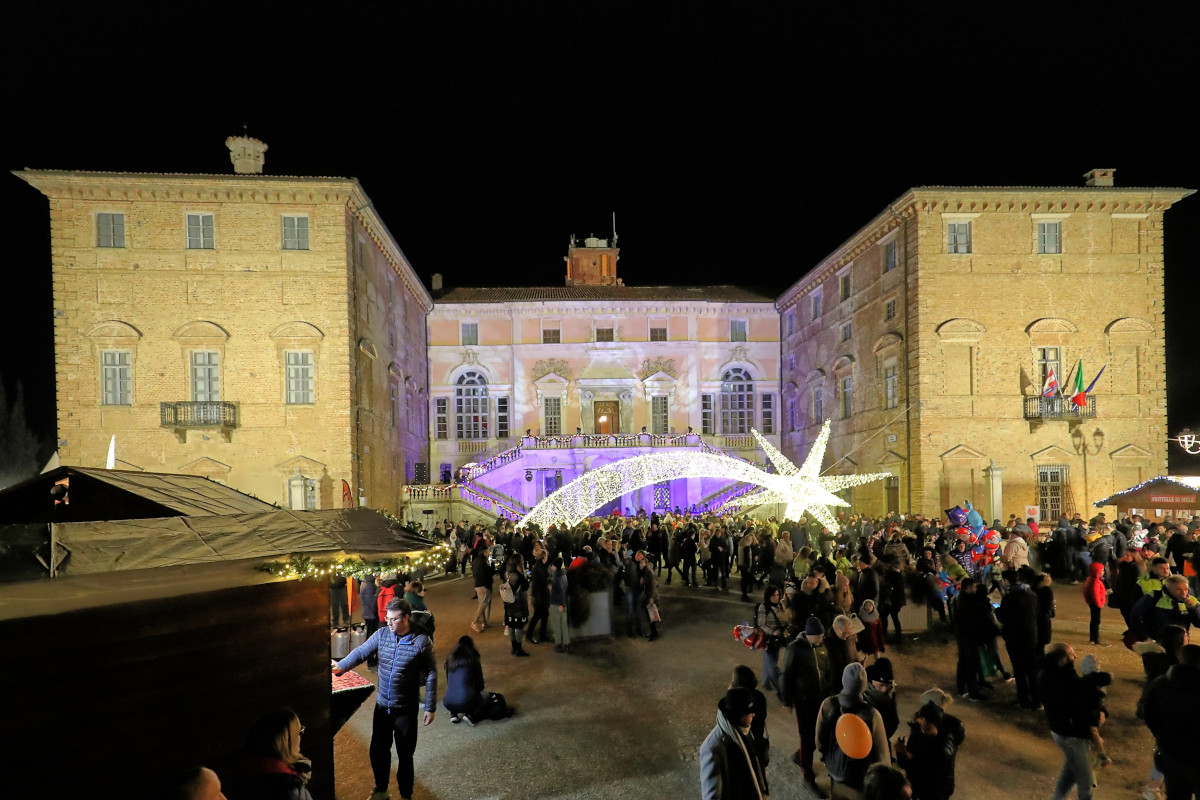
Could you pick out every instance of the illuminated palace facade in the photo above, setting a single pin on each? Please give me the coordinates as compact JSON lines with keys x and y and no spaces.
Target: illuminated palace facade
{"x":532,"y":387}
{"x":927,"y":338}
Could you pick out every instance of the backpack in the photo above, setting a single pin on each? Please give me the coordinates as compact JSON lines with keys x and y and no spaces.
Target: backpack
{"x":422,"y":622}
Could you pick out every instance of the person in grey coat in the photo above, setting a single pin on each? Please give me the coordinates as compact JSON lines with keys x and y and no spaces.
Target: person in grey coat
{"x":729,"y":765}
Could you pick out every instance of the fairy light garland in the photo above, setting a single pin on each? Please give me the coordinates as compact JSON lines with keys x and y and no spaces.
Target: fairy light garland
{"x":301,"y":566}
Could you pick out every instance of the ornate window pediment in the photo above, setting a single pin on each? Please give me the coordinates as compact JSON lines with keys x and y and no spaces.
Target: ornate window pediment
{"x":1129,"y":331}
{"x":297,"y":330}
{"x":1051,"y":325}
{"x":889,"y":458}
{"x":549,"y":366}
{"x":367,"y":348}
{"x":114,"y":329}
{"x":1131,"y":452}
{"x":201,"y":331}
{"x":960,"y":330}
{"x":886,"y":342}
{"x":844,"y":363}
{"x":306,"y":465}
{"x":962,"y":451}
{"x":1052,"y":455}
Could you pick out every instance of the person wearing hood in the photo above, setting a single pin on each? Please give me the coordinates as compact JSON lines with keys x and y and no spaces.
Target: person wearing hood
{"x":1096,"y":596}
{"x":1172,"y":707}
{"x":804,"y":684}
{"x":729,"y":765}
{"x":845,"y":771}
{"x":881,"y":694}
{"x":1041,"y":583}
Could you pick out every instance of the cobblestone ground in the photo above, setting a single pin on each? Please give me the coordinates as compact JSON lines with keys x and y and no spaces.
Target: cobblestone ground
{"x":621,"y":717}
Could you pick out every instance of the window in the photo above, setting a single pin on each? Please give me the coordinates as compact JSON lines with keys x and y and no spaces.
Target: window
{"x":441,"y":418}
{"x":295,"y":232}
{"x":847,"y":397}
{"x":501,"y":417}
{"x":737,"y":402}
{"x":110,"y":230}
{"x":889,"y":309}
{"x":299,"y":377}
{"x":768,"y":414}
{"x":302,"y":493}
{"x":116,"y":378}
{"x":360,"y":252}
{"x":791,"y":413}
{"x":958,"y":237}
{"x":659,"y":417}
{"x":200,"y":232}
{"x":1049,"y":358}
{"x":469,"y":333}
{"x":891,"y":386}
{"x":844,"y":287}
{"x":706,"y":414}
{"x":816,"y":304}
{"x":889,"y":256}
{"x":847,"y":332}
{"x":206,"y":376}
{"x":408,"y":413}
{"x":789,"y":322}
{"x":737,"y":330}
{"x":1051,"y":482}
{"x":1049,"y":239}
{"x":658,"y":334}
{"x":551,"y":336}
{"x":818,"y":404}
{"x":604,"y":334}
{"x":792,"y":361}
{"x":471,"y":406}
{"x":394,"y":402}
{"x":552,"y":411}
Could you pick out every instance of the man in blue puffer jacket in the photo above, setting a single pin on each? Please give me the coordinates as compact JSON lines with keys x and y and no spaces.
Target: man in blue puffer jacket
{"x":405,"y":661}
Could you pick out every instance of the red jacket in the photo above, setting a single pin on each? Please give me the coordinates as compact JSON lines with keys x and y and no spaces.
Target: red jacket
{"x":1095,"y":594}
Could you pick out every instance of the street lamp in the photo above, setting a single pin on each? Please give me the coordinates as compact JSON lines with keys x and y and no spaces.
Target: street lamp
{"x":1082,"y":448}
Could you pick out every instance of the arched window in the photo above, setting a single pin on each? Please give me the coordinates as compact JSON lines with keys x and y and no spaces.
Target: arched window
{"x":471,"y":406}
{"x":737,"y":401}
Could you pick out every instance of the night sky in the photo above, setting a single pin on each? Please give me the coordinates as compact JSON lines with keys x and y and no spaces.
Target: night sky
{"x":736,"y":142}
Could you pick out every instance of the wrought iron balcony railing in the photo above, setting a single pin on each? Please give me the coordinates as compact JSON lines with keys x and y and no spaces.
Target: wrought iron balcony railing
{"x":1058,"y":408}
{"x":198,"y":414}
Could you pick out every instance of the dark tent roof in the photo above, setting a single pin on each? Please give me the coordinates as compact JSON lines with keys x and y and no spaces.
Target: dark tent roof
{"x":110,"y":546}
{"x":1164,"y":491}
{"x":97,"y":494}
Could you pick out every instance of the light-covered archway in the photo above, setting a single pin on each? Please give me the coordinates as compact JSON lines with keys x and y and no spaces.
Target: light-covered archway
{"x":800,"y":488}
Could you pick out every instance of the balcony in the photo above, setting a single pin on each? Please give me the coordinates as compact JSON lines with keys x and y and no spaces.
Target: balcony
{"x":188,"y":415}
{"x":1041,"y":408}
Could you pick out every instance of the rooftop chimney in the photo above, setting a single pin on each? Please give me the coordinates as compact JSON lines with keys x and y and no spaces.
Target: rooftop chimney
{"x":1099,"y":177}
{"x":246,"y":154}
{"x":435,"y":283}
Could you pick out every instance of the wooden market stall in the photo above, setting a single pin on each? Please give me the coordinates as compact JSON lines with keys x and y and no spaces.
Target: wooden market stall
{"x":1164,"y":496}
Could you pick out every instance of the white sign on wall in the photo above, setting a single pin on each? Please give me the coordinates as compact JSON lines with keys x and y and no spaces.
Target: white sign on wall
{"x":1033,"y":511}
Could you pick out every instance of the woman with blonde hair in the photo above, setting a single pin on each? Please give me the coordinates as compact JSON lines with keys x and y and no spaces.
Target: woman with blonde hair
{"x":271,"y":766}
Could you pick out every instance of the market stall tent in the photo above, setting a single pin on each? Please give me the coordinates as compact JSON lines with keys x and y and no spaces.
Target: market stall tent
{"x":1165,"y":495}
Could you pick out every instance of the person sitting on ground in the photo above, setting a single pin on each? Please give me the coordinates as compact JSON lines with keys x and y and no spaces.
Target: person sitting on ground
{"x":271,"y":766}
{"x":464,"y":682}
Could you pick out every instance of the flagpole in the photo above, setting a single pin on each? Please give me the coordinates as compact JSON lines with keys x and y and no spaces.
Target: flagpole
{"x":1063,"y":383}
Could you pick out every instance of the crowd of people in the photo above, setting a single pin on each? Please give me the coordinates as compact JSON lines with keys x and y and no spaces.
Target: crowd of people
{"x":826,"y":614}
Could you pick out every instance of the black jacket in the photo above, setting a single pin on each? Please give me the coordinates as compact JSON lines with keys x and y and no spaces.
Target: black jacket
{"x":1018,"y":614}
{"x":1061,"y":692}
{"x":1172,"y":708}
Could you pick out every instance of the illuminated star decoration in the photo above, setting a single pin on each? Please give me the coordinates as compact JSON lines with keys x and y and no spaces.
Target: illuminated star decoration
{"x":803,"y":489}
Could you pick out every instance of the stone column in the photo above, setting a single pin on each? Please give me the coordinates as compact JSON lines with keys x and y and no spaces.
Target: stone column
{"x":994,"y":480}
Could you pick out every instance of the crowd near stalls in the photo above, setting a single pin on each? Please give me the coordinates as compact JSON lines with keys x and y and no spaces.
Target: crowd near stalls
{"x":823,"y":607}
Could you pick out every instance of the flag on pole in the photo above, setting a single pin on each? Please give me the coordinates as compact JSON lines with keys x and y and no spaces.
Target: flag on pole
{"x":1079,"y":396}
{"x":1050,"y":388}
{"x":111,"y":461}
{"x":347,"y":496}
{"x":1092,"y":385}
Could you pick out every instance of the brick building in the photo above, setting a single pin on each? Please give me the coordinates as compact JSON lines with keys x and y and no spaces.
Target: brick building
{"x":264,"y":331}
{"x":928,"y":335}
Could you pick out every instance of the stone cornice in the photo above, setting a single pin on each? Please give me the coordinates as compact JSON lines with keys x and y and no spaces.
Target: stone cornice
{"x":981,"y":199}
{"x":560,"y":309}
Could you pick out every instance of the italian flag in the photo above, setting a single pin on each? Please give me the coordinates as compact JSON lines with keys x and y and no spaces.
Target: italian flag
{"x":1079,"y":396}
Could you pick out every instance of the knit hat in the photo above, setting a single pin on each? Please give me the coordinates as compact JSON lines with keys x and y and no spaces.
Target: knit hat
{"x":937,"y":697}
{"x":868,"y":612}
{"x":881,"y":671}
{"x":814,"y":627}
{"x":854,"y":681}
{"x":1088,"y":664}
{"x":737,"y":702}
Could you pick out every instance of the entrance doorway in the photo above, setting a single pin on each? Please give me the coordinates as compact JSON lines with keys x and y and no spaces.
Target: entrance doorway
{"x":893,"y":494}
{"x":607,"y":415}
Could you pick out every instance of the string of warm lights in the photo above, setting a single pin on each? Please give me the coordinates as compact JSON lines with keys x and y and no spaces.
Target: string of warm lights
{"x":301,"y":566}
{"x":800,"y":489}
